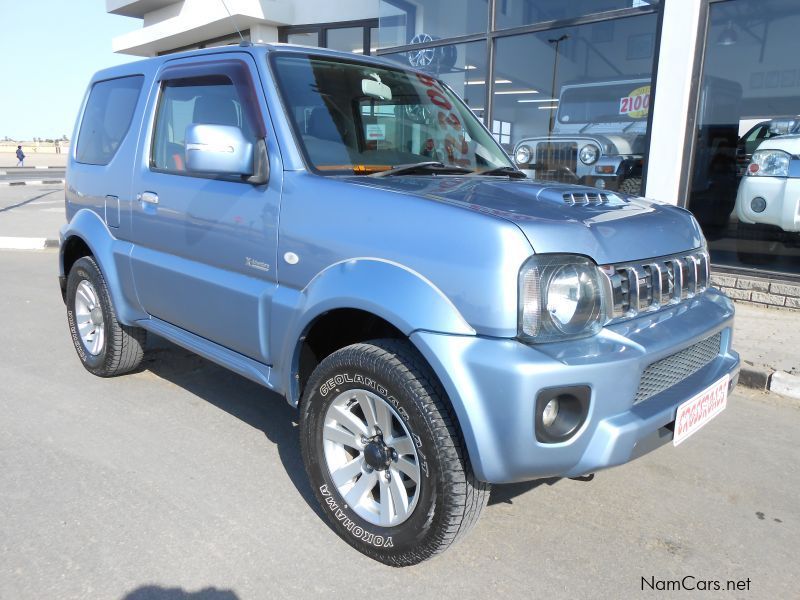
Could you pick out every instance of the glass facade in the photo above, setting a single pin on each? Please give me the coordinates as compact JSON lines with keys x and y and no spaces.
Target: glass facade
{"x":744,"y":177}
{"x":515,"y":13}
{"x":579,"y":113}
{"x":461,"y":66}
{"x":419,"y":21}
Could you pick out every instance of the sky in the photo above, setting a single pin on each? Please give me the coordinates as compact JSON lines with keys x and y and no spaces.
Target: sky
{"x":49,"y":50}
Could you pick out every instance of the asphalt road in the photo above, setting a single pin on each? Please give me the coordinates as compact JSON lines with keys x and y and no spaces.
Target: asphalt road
{"x":184,"y":477}
{"x":31,"y":211}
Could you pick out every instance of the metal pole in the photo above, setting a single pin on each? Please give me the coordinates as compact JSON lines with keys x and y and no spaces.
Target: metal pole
{"x":557,"y":42}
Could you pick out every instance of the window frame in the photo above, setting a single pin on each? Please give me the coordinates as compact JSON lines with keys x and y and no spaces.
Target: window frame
{"x":235,"y":70}
{"x":321,"y":29}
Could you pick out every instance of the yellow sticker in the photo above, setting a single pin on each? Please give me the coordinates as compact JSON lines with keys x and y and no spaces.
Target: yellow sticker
{"x":636,"y":104}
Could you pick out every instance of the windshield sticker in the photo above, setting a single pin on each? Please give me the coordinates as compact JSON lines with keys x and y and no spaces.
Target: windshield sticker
{"x":636,"y":104}
{"x":376,"y":131}
{"x":456,"y":147}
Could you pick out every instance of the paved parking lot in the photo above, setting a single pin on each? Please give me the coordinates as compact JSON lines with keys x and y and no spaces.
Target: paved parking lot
{"x":184,"y":477}
{"x":31,"y":211}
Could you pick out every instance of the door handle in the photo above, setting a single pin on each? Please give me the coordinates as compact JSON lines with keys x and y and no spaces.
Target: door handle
{"x":149,"y":197}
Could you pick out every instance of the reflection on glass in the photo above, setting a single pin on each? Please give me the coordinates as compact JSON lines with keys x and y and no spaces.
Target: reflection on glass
{"x":363,"y":119}
{"x":347,"y":39}
{"x":745,"y":186}
{"x":513,"y":13}
{"x":578,"y":113}
{"x":403,"y":22}
{"x":461,"y":66}
{"x":310,"y":38}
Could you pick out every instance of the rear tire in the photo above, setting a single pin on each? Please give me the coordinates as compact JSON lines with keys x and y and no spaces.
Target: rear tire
{"x":104,"y":345}
{"x":440,"y":499}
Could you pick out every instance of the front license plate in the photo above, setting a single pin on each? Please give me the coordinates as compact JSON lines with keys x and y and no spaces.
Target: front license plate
{"x":699,"y":410}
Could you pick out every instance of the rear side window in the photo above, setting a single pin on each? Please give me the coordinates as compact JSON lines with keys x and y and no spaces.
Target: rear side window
{"x":211,"y":99}
{"x":107,"y":119}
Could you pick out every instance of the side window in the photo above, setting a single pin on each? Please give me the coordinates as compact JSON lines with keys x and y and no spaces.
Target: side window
{"x":210,"y":100}
{"x":107,"y":118}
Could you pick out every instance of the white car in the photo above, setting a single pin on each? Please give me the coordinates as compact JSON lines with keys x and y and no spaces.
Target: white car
{"x":769,"y":192}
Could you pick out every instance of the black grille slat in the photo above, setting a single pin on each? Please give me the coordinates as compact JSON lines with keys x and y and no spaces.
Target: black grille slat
{"x":669,"y":371}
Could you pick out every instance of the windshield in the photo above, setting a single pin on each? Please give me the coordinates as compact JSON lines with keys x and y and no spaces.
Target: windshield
{"x":618,"y":103}
{"x":353,"y":118}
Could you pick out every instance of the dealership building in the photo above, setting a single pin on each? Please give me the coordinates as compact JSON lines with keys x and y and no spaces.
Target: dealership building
{"x":667,"y":98}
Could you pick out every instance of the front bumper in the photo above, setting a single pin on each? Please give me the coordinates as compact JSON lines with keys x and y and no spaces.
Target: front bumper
{"x":493,"y":385}
{"x":782,"y":196}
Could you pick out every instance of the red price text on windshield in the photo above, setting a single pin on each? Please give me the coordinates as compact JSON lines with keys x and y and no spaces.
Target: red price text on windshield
{"x":455,"y":147}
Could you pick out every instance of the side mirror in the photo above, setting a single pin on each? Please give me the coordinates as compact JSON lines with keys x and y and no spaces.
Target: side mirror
{"x":218,"y":149}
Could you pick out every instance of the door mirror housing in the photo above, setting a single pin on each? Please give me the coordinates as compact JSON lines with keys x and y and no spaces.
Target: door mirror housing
{"x":218,"y":149}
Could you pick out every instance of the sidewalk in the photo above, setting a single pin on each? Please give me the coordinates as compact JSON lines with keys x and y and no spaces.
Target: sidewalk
{"x":766,"y":339}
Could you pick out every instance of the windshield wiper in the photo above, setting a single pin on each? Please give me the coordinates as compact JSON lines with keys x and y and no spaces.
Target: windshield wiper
{"x":428,"y":166}
{"x":504,"y":171}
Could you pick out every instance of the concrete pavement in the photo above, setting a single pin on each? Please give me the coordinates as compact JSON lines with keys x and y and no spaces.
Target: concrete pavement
{"x":186,"y":479}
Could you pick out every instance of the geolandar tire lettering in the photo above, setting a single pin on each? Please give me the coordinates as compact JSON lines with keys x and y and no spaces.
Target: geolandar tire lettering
{"x":104,"y":345}
{"x":384,"y":454}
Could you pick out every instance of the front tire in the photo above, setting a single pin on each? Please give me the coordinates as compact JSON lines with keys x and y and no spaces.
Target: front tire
{"x":384,"y":454}
{"x":104,"y":345}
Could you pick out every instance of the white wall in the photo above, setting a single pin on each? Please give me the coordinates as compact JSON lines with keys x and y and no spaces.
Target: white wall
{"x":671,"y":108}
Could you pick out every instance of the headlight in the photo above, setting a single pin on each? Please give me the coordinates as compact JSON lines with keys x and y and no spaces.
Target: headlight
{"x":523,"y":155}
{"x":769,"y":163}
{"x":561,"y":297}
{"x":589,"y":154}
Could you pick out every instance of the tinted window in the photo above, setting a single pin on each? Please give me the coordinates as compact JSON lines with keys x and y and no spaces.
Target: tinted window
{"x":107,"y":119}
{"x":209,"y":100}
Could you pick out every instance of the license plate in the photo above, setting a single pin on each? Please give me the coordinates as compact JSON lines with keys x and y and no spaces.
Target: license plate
{"x":699,"y":410}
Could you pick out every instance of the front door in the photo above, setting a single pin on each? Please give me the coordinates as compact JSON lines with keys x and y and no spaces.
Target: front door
{"x":205,"y":246}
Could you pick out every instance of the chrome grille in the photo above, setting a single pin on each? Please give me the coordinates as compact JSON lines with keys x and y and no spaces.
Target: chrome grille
{"x":665,"y":373}
{"x":584,"y":198}
{"x":556,"y":161}
{"x":645,"y":286}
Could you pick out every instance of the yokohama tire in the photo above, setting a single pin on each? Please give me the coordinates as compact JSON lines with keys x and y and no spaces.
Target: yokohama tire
{"x":448,"y":499}
{"x":120,"y":348}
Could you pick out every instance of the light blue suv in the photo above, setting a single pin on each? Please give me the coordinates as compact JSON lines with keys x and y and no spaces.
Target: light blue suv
{"x":347,"y":234}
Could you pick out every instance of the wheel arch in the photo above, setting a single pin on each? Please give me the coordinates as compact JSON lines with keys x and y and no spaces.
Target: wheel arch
{"x":87,"y":235}
{"x":391,"y":297}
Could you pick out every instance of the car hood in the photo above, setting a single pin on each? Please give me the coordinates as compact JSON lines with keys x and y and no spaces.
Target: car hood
{"x":622,"y":229}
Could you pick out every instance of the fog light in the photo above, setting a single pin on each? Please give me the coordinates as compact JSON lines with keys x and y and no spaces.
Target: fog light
{"x":758,"y":204}
{"x":550,"y":413}
{"x":600,"y":183}
{"x":560,"y":412}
